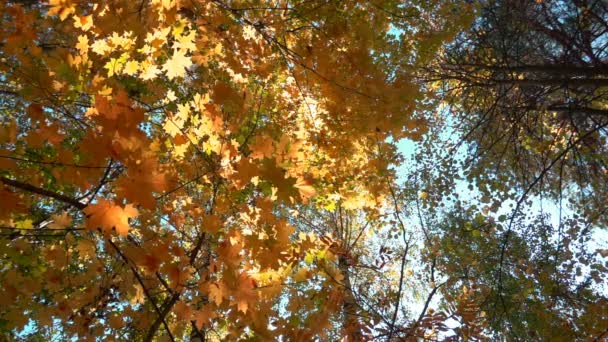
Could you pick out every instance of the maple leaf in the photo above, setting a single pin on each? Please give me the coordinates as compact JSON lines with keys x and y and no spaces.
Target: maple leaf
{"x":83,"y":44}
{"x":261,"y":148}
{"x":114,"y":66}
{"x":203,"y":315}
{"x":305,"y":188}
{"x":217,"y":292}
{"x":11,"y":202}
{"x":106,"y":215}
{"x":229,"y":251}
{"x":8,"y":133}
{"x":101,"y":47}
{"x":150,"y":262}
{"x":141,"y":181}
{"x":277,"y":176}
{"x":179,"y":151}
{"x":212,"y":223}
{"x":171,"y":128}
{"x":131,"y":68}
{"x":178,"y":276}
{"x":245,"y":293}
{"x":86,"y":249}
{"x":250,"y":33}
{"x":186,"y":42}
{"x":25,"y":224}
{"x":116,"y":322}
{"x":183,"y":311}
{"x":84,"y":22}
{"x":246,"y":171}
{"x":61,"y":7}
{"x":60,"y":221}
{"x":177,"y":64}
{"x":149,"y":71}
{"x":199,"y":101}
{"x":139,"y":296}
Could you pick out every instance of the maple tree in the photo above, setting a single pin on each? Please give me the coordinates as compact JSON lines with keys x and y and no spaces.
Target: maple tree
{"x":155,"y":156}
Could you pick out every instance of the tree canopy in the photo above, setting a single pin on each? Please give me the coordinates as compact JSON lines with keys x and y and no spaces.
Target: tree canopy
{"x":210,"y":170}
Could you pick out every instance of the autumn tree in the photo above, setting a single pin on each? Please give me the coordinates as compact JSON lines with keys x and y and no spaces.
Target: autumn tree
{"x":514,"y":167}
{"x":528,"y":84}
{"x":541,"y":287}
{"x":154,"y":155}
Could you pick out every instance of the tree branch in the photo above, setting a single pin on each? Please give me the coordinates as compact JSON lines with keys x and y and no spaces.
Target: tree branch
{"x":43,"y":192}
{"x":161,"y":315}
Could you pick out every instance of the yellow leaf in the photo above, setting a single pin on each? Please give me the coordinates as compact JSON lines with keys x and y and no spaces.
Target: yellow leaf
{"x":83,"y":44}
{"x":179,"y":151}
{"x":105,"y":91}
{"x":179,"y":27}
{"x":25,"y":224}
{"x":84,"y":22}
{"x":101,"y":47}
{"x":113,"y":66}
{"x":177,"y":64}
{"x":61,"y":7}
{"x":131,"y":68}
{"x":186,"y":42}
{"x":250,"y":33}
{"x":171,"y":128}
{"x":199,"y":101}
{"x":149,"y":71}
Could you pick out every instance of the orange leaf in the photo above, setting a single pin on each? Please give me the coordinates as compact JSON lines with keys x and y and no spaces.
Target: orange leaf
{"x":106,"y":215}
{"x":305,"y":188}
{"x":217,"y":292}
{"x":60,"y":221}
